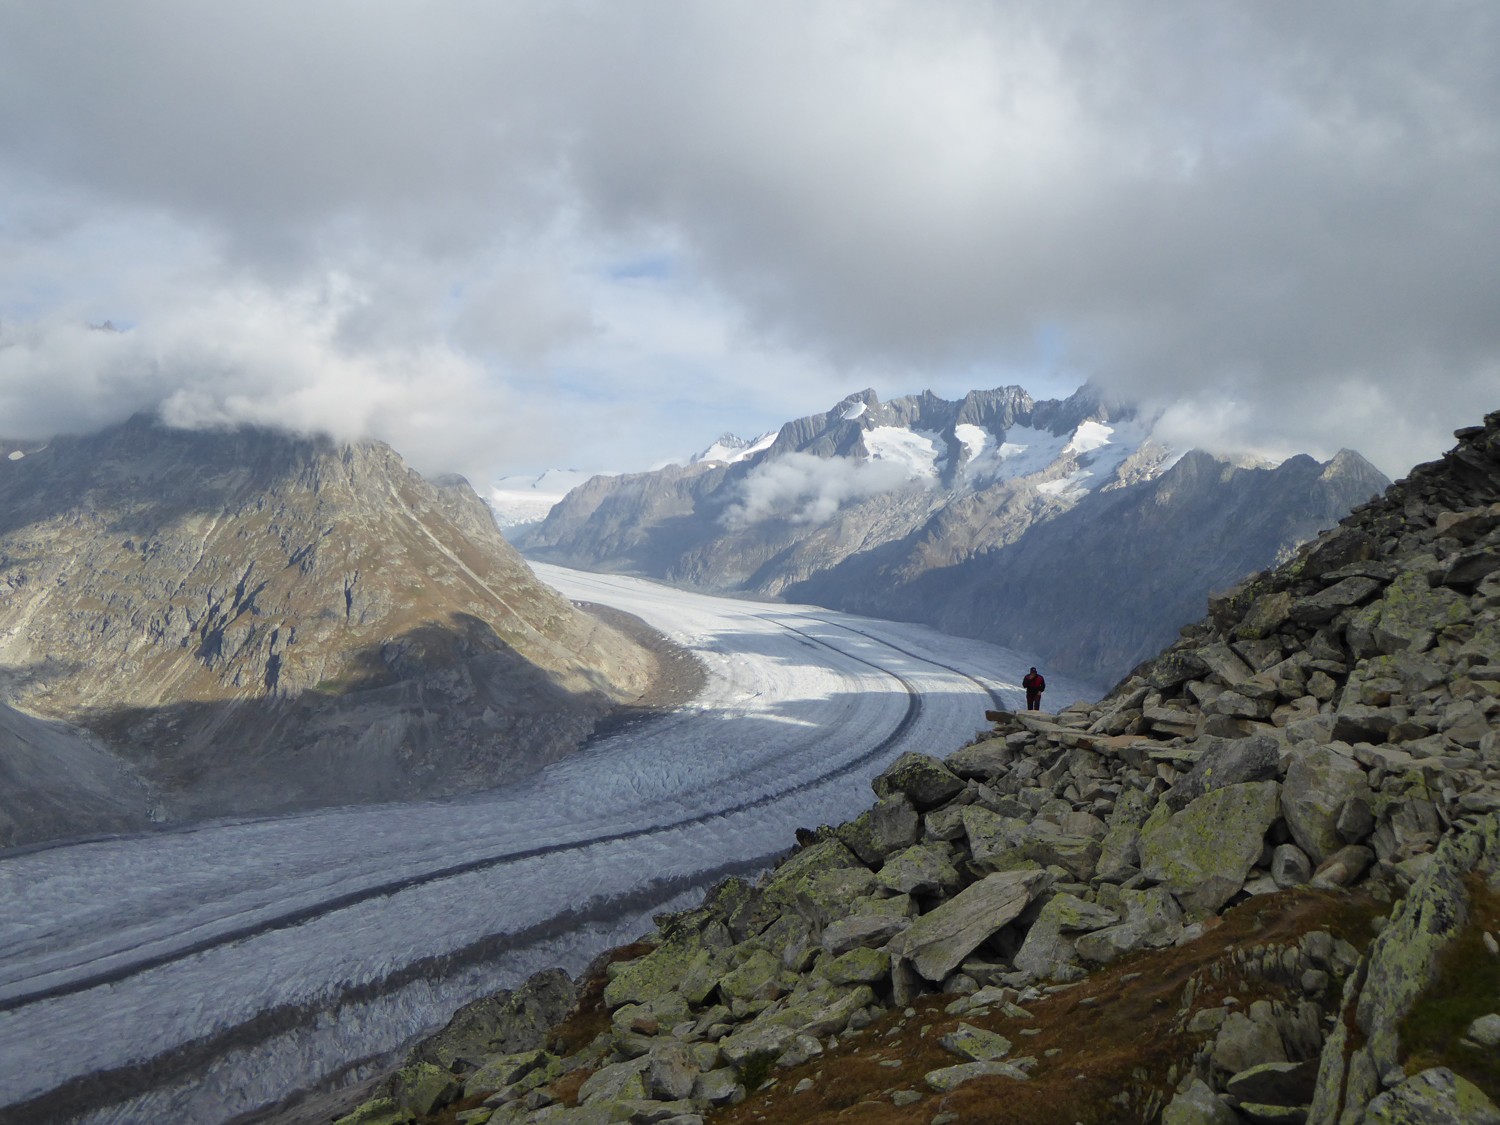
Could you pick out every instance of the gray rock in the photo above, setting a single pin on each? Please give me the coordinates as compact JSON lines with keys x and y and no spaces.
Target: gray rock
{"x":1433,"y":1097}
{"x":1290,"y":866}
{"x":1358,"y":722}
{"x":615,"y":1081}
{"x":1119,"y":854}
{"x":1485,"y":1030}
{"x":937,"y":942}
{"x":1243,"y":1043}
{"x":1203,"y":853}
{"x":1152,"y":920}
{"x":922,"y":869}
{"x":1356,"y":819}
{"x":1227,"y":762}
{"x":423,"y":1087}
{"x":1318,"y":782}
{"x":874,"y":922}
{"x":1343,"y":867}
{"x":1047,"y":952}
{"x":922,"y":778}
{"x":950,"y":1078}
{"x":671,"y":1072}
{"x":1198,"y":1105}
{"x":981,"y":760}
{"x":719,"y":1087}
{"x":1275,"y":1083}
{"x":891,"y":824}
{"x":975,"y":1043}
{"x":1325,"y":605}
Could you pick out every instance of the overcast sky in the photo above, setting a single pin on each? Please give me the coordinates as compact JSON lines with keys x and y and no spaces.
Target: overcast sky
{"x":507,"y":236}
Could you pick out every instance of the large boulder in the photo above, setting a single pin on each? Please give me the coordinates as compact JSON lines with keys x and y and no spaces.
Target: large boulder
{"x":1433,"y":1097}
{"x":1319,"y":781}
{"x":1152,"y":920}
{"x":1227,"y":761}
{"x":1203,"y":853}
{"x":937,"y":942}
{"x":922,"y":778}
{"x":1048,"y":951}
{"x":891,"y":824}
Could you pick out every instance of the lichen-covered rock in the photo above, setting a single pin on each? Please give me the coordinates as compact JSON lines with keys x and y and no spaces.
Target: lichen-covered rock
{"x":874,"y":922}
{"x":891,"y":824}
{"x":1408,"y":615}
{"x":1047,"y":953}
{"x":615,"y":1082}
{"x":1318,"y":781}
{"x":648,"y":977}
{"x":422,"y":1087}
{"x":378,"y":1111}
{"x":922,"y":869}
{"x":1433,"y":1097}
{"x":502,"y":1070}
{"x":1244,"y":1042}
{"x":950,"y":1078}
{"x":922,"y":778}
{"x":758,"y":977}
{"x":1198,"y":1105}
{"x":1120,"y":853}
{"x":938,"y":941}
{"x":820,"y":882}
{"x":1227,"y":761}
{"x":1152,"y":920}
{"x":1401,"y":963}
{"x":1203,"y":853}
{"x":857,"y":966}
{"x":975,"y":1043}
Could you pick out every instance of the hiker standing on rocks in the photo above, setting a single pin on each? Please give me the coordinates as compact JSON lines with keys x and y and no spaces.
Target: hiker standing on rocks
{"x":1034,"y":685}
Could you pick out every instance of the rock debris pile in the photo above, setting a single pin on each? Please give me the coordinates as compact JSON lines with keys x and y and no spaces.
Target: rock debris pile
{"x":1331,"y":724}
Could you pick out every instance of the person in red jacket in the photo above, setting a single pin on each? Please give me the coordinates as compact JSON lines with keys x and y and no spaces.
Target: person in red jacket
{"x":1034,"y":685}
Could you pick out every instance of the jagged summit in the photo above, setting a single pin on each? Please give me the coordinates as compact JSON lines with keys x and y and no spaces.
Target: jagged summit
{"x":257,"y":620}
{"x":1064,"y":527}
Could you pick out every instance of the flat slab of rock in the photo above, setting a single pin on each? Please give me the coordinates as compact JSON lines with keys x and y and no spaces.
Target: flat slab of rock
{"x":938,"y":941}
{"x":952,"y":1077}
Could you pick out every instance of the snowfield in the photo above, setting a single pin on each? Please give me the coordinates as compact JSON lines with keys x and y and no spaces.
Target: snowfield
{"x":248,"y":960}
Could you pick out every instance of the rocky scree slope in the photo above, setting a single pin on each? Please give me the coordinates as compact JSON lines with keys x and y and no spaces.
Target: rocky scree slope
{"x":1061,"y":528}
{"x":1157,"y":907}
{"x":253,"y":621}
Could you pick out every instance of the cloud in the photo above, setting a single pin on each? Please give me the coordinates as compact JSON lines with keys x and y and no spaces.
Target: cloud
{"x":1264,"y":205}
{"x":802,"y":488}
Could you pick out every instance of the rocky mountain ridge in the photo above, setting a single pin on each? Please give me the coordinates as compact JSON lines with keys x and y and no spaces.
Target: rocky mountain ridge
{"x":252,"y":621}
{"x":1060,"y":527}
{"x":1256,"y":883}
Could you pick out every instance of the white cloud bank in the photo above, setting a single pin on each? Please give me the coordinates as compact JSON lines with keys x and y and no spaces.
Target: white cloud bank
{"x":525,"y":229}
{"x":804,"y":488}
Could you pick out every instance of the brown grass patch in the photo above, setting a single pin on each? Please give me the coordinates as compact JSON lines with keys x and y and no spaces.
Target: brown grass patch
{"x":589,"y":1016}
{"x":1110,"y":1034}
